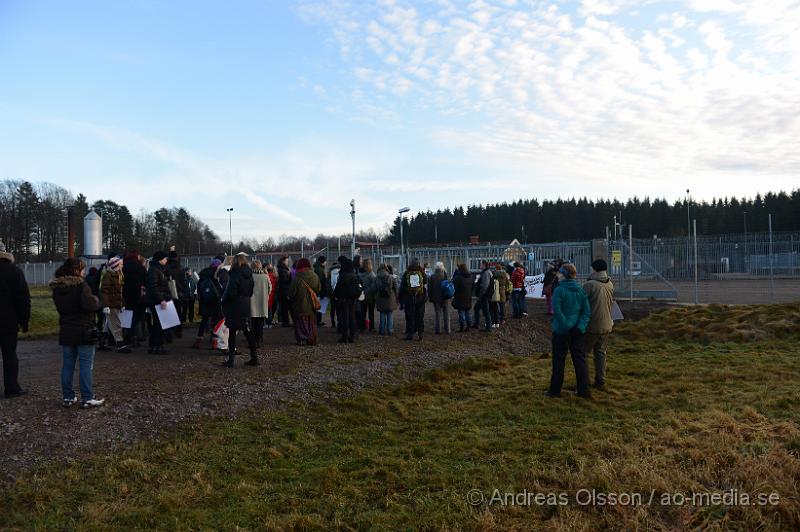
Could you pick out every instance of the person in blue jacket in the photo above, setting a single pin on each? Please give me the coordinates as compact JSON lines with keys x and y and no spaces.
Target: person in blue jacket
{"x":571,"y":313}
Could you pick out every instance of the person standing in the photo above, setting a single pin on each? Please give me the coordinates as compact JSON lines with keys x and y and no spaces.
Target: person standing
{"x":134,"y":274}
{"x":236,"y":308}
{"x":76,"y":306}
{"x":600,"y":291}
{"x":571,"y":315}
{"x":464,"y":284}
{"x":504,"y":289}
{"x":209,"y":293}
{"x":259,"y":303}
{"x":550,"y":283}
{"x":348,"y":290}
{"x":175,"y":280}
{"x":412,"y":297}
{"x":273,"y":288}
{"x":319,"y":270}
{"x":284,"y":281}
{"x":304,"y":298}
{"x":187,"y":290}
{"x":112,"y":302}
{"x":440,"y":299}
{"x":385,"y":300}
{"x":518,"y":291}
{"x":483,"y":292}
{"x":158,"y":294}
{"x":368,"y":279}
{"x":333,"y":277}
{"x":15,"y":314}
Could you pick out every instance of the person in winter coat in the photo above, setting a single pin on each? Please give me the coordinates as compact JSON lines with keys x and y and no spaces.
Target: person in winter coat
{"x":134,"y":275}
{"x":551,"y":283}
{"x":518,"y":291}
{"x":209,"y":293}
{"x":15,"y":314}
{"x":503,"y":289}
{"x":368,"y":279}
{"x":441,"y":305}
{"x":177,"y":278}
{"x":333,"y":277}
{"x":76,"y":306}
{"x":223,"y":270}
{"x":385,"y":299}
{"x":112,"y":302}
{"x":600,"y":292}
{"x":412,"y":296}
{"x":187,"y":291}
{"x":158,"y":294}
{"x":319,"y":270}
{"x":304,"y":297}
{"x":571,"y":315}
{"x":483,"y":293}
{"x":236,"y":308}
{"x":462,"y":300}
{"x":347,"y":291}
{"x":284,"y":281}
{"x":259,"y":303}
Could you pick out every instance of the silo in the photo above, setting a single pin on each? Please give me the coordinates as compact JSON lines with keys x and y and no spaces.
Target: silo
{"x":92,"y":235}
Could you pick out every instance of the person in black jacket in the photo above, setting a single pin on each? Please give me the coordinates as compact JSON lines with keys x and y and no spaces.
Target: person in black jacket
{"x":413,"y":293}
{"x":158,"y":295}
{"x":347,"y":291}
{"x":15,"y":314}
{"x":236,"y":308}
{"x":209,"y":293}
{"x":464,"y":284}
{"x":282,"y":294}
{"x":133,"y":275}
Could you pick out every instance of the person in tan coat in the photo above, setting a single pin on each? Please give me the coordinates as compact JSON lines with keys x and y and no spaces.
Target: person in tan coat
{"x":259,"y":303}
{"x":600,"y":291}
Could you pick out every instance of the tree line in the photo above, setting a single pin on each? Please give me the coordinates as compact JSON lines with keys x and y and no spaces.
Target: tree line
{"x":581,"y":219}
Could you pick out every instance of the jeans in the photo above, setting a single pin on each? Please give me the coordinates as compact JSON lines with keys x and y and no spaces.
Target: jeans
{"x":84,"y":356}
{"x":482,"y":305}
{"x":572,"y":341}
{"x":463,"y":318}
{"x":597,"y":343}
{"x":387,"y":323}
{"x":8,"y":346}
{"x":442,"y":313}
{"x":518,"y":303}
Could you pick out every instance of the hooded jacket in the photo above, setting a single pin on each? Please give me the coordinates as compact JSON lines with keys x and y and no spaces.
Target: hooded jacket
{"x":600,"y":291}
{"x":135,"y":275}
{"x":570,"y":307}
{"x":15,"y":298}
{"x":435,"y":287}
{"x":484,"y":283}
{"x":156,"y":285}
{"x":111,"y":290}
{"x":348,"y":285}
{"x":319,"y":269}
{"x":236,"y":298}
{"x":298,"y":293}
{"x":209,"y":308}
{"x":464,"y":284}
{"x":386,"y":294}
{"x":76,"y":306}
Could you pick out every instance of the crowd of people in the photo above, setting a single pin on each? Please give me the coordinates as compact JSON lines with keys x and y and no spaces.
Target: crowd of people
{"x":117,"y":307}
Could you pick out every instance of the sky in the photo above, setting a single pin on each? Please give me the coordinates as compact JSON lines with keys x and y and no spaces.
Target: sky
{"x":285,"y":111}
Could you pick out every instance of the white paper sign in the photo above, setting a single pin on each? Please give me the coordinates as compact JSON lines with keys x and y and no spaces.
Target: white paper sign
{"x":534,"y":284}
{"x":616,"y":313}
{"x":323,"y":305}
{"x":168,"y":316}
{"x":334,"y":278}
{"x":126,"y":318}
{"x":414,"y":281}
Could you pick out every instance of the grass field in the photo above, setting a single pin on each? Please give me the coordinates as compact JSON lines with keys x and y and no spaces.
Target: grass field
{"x":677,"y":418}
{"x":44,"y":318}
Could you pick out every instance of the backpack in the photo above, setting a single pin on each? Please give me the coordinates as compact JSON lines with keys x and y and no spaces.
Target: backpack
{"x":448,"y":289}
{"x":415,"y":283}
{"x":207,"y":292}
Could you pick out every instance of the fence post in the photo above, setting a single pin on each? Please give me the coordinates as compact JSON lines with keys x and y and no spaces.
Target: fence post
{"x":694,"y":230}
{"x":771,"y":277}
{"x":630,"y":256}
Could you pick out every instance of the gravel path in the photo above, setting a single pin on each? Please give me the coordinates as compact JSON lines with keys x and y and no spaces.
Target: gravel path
{"x":148,"y":394}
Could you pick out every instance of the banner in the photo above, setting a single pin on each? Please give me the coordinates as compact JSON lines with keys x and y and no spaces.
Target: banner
{"x":534,"y":285}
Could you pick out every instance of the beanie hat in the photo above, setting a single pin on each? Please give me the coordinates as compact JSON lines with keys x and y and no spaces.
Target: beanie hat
{"x":599,"y":265}
{"x":159,"y":255}
{"x":303,"y":263}
{"x":215,"y":263}
{"x":115,"y":264}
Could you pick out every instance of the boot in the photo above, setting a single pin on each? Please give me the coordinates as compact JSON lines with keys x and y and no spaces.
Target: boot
{"x":253,"y":358}
{"x":123,"y":347}
{"x":230,"y":362}
{"x":102,"y":345}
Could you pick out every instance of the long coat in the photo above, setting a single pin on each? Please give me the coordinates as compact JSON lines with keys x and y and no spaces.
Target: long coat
{"x":236,"y":298}
{"x":386,"y":292}
{"x":111,"y":290}
{"x":134,"y":276}
{"x":299,"y":297}
{"x":259,"y":303}
{"x":157,"y":285}
{"x":464,"y":284}
{"x":15,"y":298}
{"x":76,"y":306}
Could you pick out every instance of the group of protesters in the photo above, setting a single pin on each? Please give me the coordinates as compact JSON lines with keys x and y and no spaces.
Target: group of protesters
{"x":235,"y":294}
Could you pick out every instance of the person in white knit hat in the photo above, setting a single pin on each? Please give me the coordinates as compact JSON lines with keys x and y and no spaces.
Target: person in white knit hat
{"x":112,"y":302}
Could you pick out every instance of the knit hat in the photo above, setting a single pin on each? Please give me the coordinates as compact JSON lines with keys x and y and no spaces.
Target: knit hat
{"x":303,"y":263}
{"x":599,"y":265}
{"x":5,"y":255}
{"x":159,"y":255}
{"x":215,"y":263}
{"x":115,"y":264}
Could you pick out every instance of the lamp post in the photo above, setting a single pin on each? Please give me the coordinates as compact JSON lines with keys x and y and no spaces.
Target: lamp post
{"x":688,"y":229}
{"x":353,"y":216}
{"x":401,"y":212}
{"x":230,"y":227}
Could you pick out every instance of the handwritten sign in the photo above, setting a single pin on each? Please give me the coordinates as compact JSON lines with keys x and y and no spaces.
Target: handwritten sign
{"x":534,"y":285}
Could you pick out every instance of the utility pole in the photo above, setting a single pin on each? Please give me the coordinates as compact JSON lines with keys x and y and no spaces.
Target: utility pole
{"x":696,"y":299}
{"x":401,"y":212}
{"x":353,"y":216}
{"x":230,"y":227}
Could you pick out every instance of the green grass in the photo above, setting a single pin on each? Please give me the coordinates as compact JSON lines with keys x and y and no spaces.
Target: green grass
{"x":44,"y":317}
{"x":677,"y":417}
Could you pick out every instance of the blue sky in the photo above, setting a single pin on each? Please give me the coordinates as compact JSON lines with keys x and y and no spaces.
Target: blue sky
{"x":287,"y":110}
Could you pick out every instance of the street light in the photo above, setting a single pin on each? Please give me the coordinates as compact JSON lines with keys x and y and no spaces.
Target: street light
{"x":401,"y":212}
{"x":230,"y":226}
{"x":353,"y":216}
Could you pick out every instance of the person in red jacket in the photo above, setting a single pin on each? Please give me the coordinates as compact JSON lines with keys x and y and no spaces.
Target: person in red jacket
{"x":518,"y":291}
{"x":273,"y":280}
